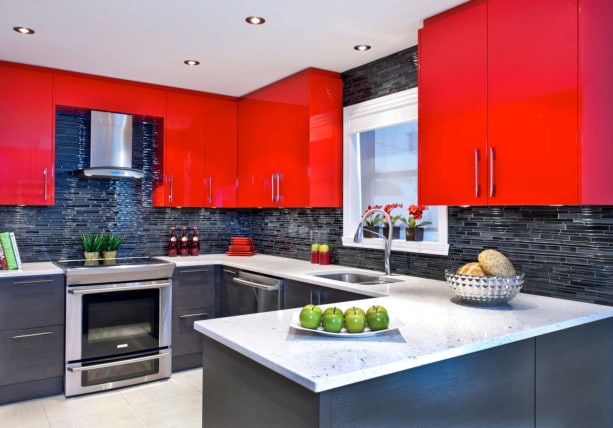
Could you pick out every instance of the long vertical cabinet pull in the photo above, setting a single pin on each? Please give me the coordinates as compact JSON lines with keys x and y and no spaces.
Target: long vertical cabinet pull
{"x":272,"y":187}
{"x":278,"y":187}
{"x":46,"y":181}
{"x":476,"y":173}
{"x":492,"y":159}
{"x":170,"y":184}
{"x":210,"y":189}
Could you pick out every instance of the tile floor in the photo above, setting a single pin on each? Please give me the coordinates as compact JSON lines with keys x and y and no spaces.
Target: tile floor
{"x":176,"y":402}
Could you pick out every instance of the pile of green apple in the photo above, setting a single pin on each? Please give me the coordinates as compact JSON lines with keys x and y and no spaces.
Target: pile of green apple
{"x":353,"y":319}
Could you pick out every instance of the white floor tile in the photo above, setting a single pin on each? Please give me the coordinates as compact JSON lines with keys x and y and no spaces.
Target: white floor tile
{"x":59,"y":408}
{"x":29,"y":414}
{"x":181,"y":411}
{"x":124,"y":417}
{"x":158,"y":390}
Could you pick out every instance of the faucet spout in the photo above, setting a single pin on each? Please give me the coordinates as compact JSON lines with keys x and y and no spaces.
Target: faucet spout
{"x":357,"y":237}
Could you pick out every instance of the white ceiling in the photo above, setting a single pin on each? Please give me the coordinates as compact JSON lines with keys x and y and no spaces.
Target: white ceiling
{"x":148,"y":40}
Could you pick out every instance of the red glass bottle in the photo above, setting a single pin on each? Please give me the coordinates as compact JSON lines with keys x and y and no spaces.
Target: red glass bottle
{"x":194,"y":245}
{"x":184,"y":243}
{"x":172,"y":243}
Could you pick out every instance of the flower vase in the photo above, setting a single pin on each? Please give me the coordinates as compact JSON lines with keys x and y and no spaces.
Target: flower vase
{"x":371,"y":231}
{"x":395,"y":232}
{"x":91,"y":255}
{"x":109,"y":254}
{"x":414,"y":234}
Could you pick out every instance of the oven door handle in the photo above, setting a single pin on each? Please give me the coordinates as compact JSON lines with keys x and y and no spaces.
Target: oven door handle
{"x":105,"y":289}
{"x":75,"y":369}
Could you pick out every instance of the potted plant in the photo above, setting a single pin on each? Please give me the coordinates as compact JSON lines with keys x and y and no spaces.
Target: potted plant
{"x":109,"y":245}
{"x":371,"y":223}
{"x":415,"y":231}
{"x":91,"y":242}
{"x":395,"y":218}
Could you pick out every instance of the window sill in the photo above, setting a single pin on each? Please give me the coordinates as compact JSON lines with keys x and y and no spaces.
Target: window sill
{"x":420,"y":247}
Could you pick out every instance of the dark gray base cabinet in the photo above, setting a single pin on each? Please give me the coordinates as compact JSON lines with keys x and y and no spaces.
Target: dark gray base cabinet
{"x":195,"y":296}
{"x":564,"y":379}
{"x":31,"y":337}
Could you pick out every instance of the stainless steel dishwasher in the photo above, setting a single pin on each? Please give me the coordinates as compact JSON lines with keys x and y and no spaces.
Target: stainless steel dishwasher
{"x":248,"y":293}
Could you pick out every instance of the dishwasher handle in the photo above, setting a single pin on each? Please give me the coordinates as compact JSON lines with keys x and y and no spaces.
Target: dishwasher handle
{"x":256,"y":285}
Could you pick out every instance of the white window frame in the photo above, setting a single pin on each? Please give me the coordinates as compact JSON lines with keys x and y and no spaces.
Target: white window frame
{"x":378,"y":113}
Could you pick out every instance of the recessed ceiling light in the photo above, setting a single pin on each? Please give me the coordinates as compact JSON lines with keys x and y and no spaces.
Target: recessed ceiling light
{"x":191,"y":62}
{"x":255,"y":20}
{"x":362,"y":48}
{"x":24,"y":30}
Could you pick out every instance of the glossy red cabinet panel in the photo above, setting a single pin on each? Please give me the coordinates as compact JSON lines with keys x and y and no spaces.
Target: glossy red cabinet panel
{"x":596,"y":102}
{"x":289,"y":144}
{"x":532,"y":101}
{"x":220,"y":135}
{"x":183,"y":151}
{"x":26,"y":136}
{"x":98,"y":93}
{"x":547,"y":95}
{"x":453,"y":110}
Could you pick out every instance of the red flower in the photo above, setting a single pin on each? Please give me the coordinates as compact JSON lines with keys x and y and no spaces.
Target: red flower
{"x":389,"y":207}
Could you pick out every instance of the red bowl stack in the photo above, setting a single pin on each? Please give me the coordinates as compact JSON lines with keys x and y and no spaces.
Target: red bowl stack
{"x":240,"y":246}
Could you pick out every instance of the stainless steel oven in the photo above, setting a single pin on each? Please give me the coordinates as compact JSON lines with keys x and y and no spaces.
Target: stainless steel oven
{"x":118,"y":323}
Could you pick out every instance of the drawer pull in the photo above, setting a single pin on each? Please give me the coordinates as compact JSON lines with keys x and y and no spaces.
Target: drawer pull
{"x":230,"y":271}
{"x":24,"y":336}
{"x":194,"y":270}
{"x":201,"y":314}
{"x":39,"y":281}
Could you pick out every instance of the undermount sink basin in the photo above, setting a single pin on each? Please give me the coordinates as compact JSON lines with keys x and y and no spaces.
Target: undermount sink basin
{"x":356,"y":278}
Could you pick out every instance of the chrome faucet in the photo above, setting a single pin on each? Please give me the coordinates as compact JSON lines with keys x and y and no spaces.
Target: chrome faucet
{"x":388,"y":240}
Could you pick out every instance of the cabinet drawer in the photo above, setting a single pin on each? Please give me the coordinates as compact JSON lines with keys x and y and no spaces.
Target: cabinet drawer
{"x":31,"y":301}
{"x":186,"y":340}
{"x":193,"y":287}
{"x":31,"y":354}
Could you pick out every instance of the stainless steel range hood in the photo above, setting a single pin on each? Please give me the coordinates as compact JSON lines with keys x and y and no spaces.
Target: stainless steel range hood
{"x":111,"y":146}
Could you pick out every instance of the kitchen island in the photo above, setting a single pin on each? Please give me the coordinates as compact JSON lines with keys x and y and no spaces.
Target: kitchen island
{"x":536,"y":361}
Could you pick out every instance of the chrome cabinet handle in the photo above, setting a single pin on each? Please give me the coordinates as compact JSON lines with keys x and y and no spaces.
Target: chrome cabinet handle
{"x":256,"y":285}
{"x":170,"y":180}
{"x":229,"y":271}
{"x":37,"y":281}
{"x":278,"y":187}
{"x":210,"y":189}
{"x":25,"y":336}
{"x":194,"y":270}
{"x":476,"y":173}
{"x":492,"y":158}
{"x":119,"y":363}
{"x":272,"y":187}
{"x":45,"y":175}
{"x":201,"y":314}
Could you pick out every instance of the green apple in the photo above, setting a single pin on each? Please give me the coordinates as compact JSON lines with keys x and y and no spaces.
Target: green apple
{"x":354,"y":308}
{"x":310,"y":316}
{"x":378,"y":319}
{"x":355,"y":320}
{"x":333,"y":321}
{"x":375,"y":308}
{"x":330,"y":310}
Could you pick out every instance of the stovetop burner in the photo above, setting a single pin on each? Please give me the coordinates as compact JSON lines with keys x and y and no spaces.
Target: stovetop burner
{"x":121,"y":269}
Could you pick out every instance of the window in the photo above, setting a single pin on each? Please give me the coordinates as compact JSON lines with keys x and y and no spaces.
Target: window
{"x":380,"y":167}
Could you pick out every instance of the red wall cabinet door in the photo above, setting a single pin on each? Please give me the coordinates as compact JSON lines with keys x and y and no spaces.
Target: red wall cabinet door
{"x":532,"y":101}
{"x":183,"y":151}
{"x":453,"y":109}
{"x":99,"y":93}
{"x":26,"y":137}
{"x":220,"y":157}
{"x":290,"y":142}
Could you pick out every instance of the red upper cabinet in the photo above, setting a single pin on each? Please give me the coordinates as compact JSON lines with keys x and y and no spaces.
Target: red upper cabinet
{"x":290,"y":143}
{"x":453,"y":109}
{"x":526,"y":148}
{"x":220,"y":128}
{"x":26,"y":136}
{"x":100,"y":93}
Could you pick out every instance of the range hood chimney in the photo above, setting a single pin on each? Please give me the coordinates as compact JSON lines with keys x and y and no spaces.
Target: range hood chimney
{"x":111,"y":146}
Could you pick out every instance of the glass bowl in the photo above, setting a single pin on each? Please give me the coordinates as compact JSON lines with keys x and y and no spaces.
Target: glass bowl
{"x":484,"y":290}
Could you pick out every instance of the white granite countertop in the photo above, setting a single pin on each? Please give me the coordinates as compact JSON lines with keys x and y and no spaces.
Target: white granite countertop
{"x":433,"y":326}
{"x":31,"y":269}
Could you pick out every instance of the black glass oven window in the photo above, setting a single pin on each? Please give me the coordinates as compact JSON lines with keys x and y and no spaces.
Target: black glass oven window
{"x":124,"y":371}
{"x":120,"y":322}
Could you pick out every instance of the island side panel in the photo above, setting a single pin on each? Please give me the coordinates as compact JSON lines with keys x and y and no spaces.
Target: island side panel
{"x":238,"y":392}
{"x":574,"y":377}
{"x":493,"y":388}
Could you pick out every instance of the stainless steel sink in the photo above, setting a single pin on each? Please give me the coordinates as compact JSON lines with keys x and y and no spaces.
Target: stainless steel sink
{"x":356,"y":278}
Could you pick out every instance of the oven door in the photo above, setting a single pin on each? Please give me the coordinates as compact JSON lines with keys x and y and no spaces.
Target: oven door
{"x":111,"y":320}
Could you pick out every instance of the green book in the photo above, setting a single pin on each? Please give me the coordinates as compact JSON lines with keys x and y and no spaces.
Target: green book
{"x":7,"y":246}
